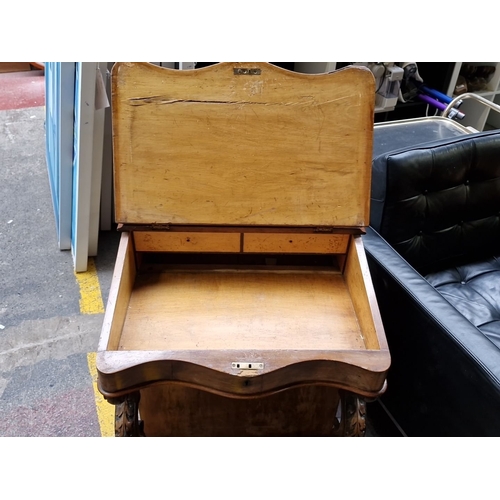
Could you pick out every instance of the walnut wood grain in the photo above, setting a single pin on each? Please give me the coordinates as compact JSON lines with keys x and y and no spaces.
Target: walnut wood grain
{"x":211,"y":147}
{"x":359,"y":284}
{"x":214,"y":228}
{"x":173,"y":410}
{"x":185,"y":241}
{"x":220,"y":242}
{"x":295,"y":243}
{"x":240,"y":310}
{"x":362,"y":372}
{"x":124,"y":275}
{"x":351,"y":420}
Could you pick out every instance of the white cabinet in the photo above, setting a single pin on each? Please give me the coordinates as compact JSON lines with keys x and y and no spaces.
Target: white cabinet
{"x":476,"y":114}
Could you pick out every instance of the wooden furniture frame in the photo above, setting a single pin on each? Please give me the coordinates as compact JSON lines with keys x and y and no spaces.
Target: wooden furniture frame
{"x":241,"y":285}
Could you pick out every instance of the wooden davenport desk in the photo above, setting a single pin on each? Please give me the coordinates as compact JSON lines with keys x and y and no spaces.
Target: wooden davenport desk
{"x":241,"y":301}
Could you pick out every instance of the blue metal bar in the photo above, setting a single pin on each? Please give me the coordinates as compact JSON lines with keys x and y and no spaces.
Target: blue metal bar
{"x":435,"y":93}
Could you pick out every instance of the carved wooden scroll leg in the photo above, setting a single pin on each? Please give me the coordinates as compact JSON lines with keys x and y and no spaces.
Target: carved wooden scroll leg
{"x":350,"y":420}
{"x":127,"y":423}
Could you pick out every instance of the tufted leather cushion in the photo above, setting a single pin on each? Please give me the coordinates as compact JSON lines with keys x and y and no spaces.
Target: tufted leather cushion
{"x":445,"y":372}
{"x":437,"y":207}
{"x":438,"y":204}
{"x":474,"y":290}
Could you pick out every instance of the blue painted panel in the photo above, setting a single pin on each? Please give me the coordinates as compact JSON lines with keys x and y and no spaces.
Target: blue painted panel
{"x":52,"y":133}
{"x":75,"y":162}
{"x":59,"y":124}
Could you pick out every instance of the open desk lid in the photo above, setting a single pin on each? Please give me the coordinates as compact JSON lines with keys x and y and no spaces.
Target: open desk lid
{"x":244,"y":144}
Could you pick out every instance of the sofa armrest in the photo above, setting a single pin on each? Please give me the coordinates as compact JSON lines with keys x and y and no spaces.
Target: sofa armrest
{"x":445,"y":374}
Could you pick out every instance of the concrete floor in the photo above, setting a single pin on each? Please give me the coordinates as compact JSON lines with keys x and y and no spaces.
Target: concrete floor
{"x":45,"y":382}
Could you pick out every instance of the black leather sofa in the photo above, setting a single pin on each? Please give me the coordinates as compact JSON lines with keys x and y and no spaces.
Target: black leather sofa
{"x":434,"y":254}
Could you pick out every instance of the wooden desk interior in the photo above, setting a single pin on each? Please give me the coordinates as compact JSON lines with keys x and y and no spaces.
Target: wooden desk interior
{"x":235,"y":309}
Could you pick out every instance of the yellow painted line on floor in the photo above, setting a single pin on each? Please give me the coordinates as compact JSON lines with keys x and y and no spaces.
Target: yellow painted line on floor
{"x":105,"y":410}
{"x":90,"y":290}
{"x":91,"y":303}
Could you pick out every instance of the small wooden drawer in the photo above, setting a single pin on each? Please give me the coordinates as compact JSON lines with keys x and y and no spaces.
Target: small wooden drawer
{"x":295,"y":243}
{"x":151,"y":241}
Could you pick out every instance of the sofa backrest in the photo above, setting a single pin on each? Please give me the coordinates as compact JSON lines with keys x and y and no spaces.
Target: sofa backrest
{"x":438,"y":203}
